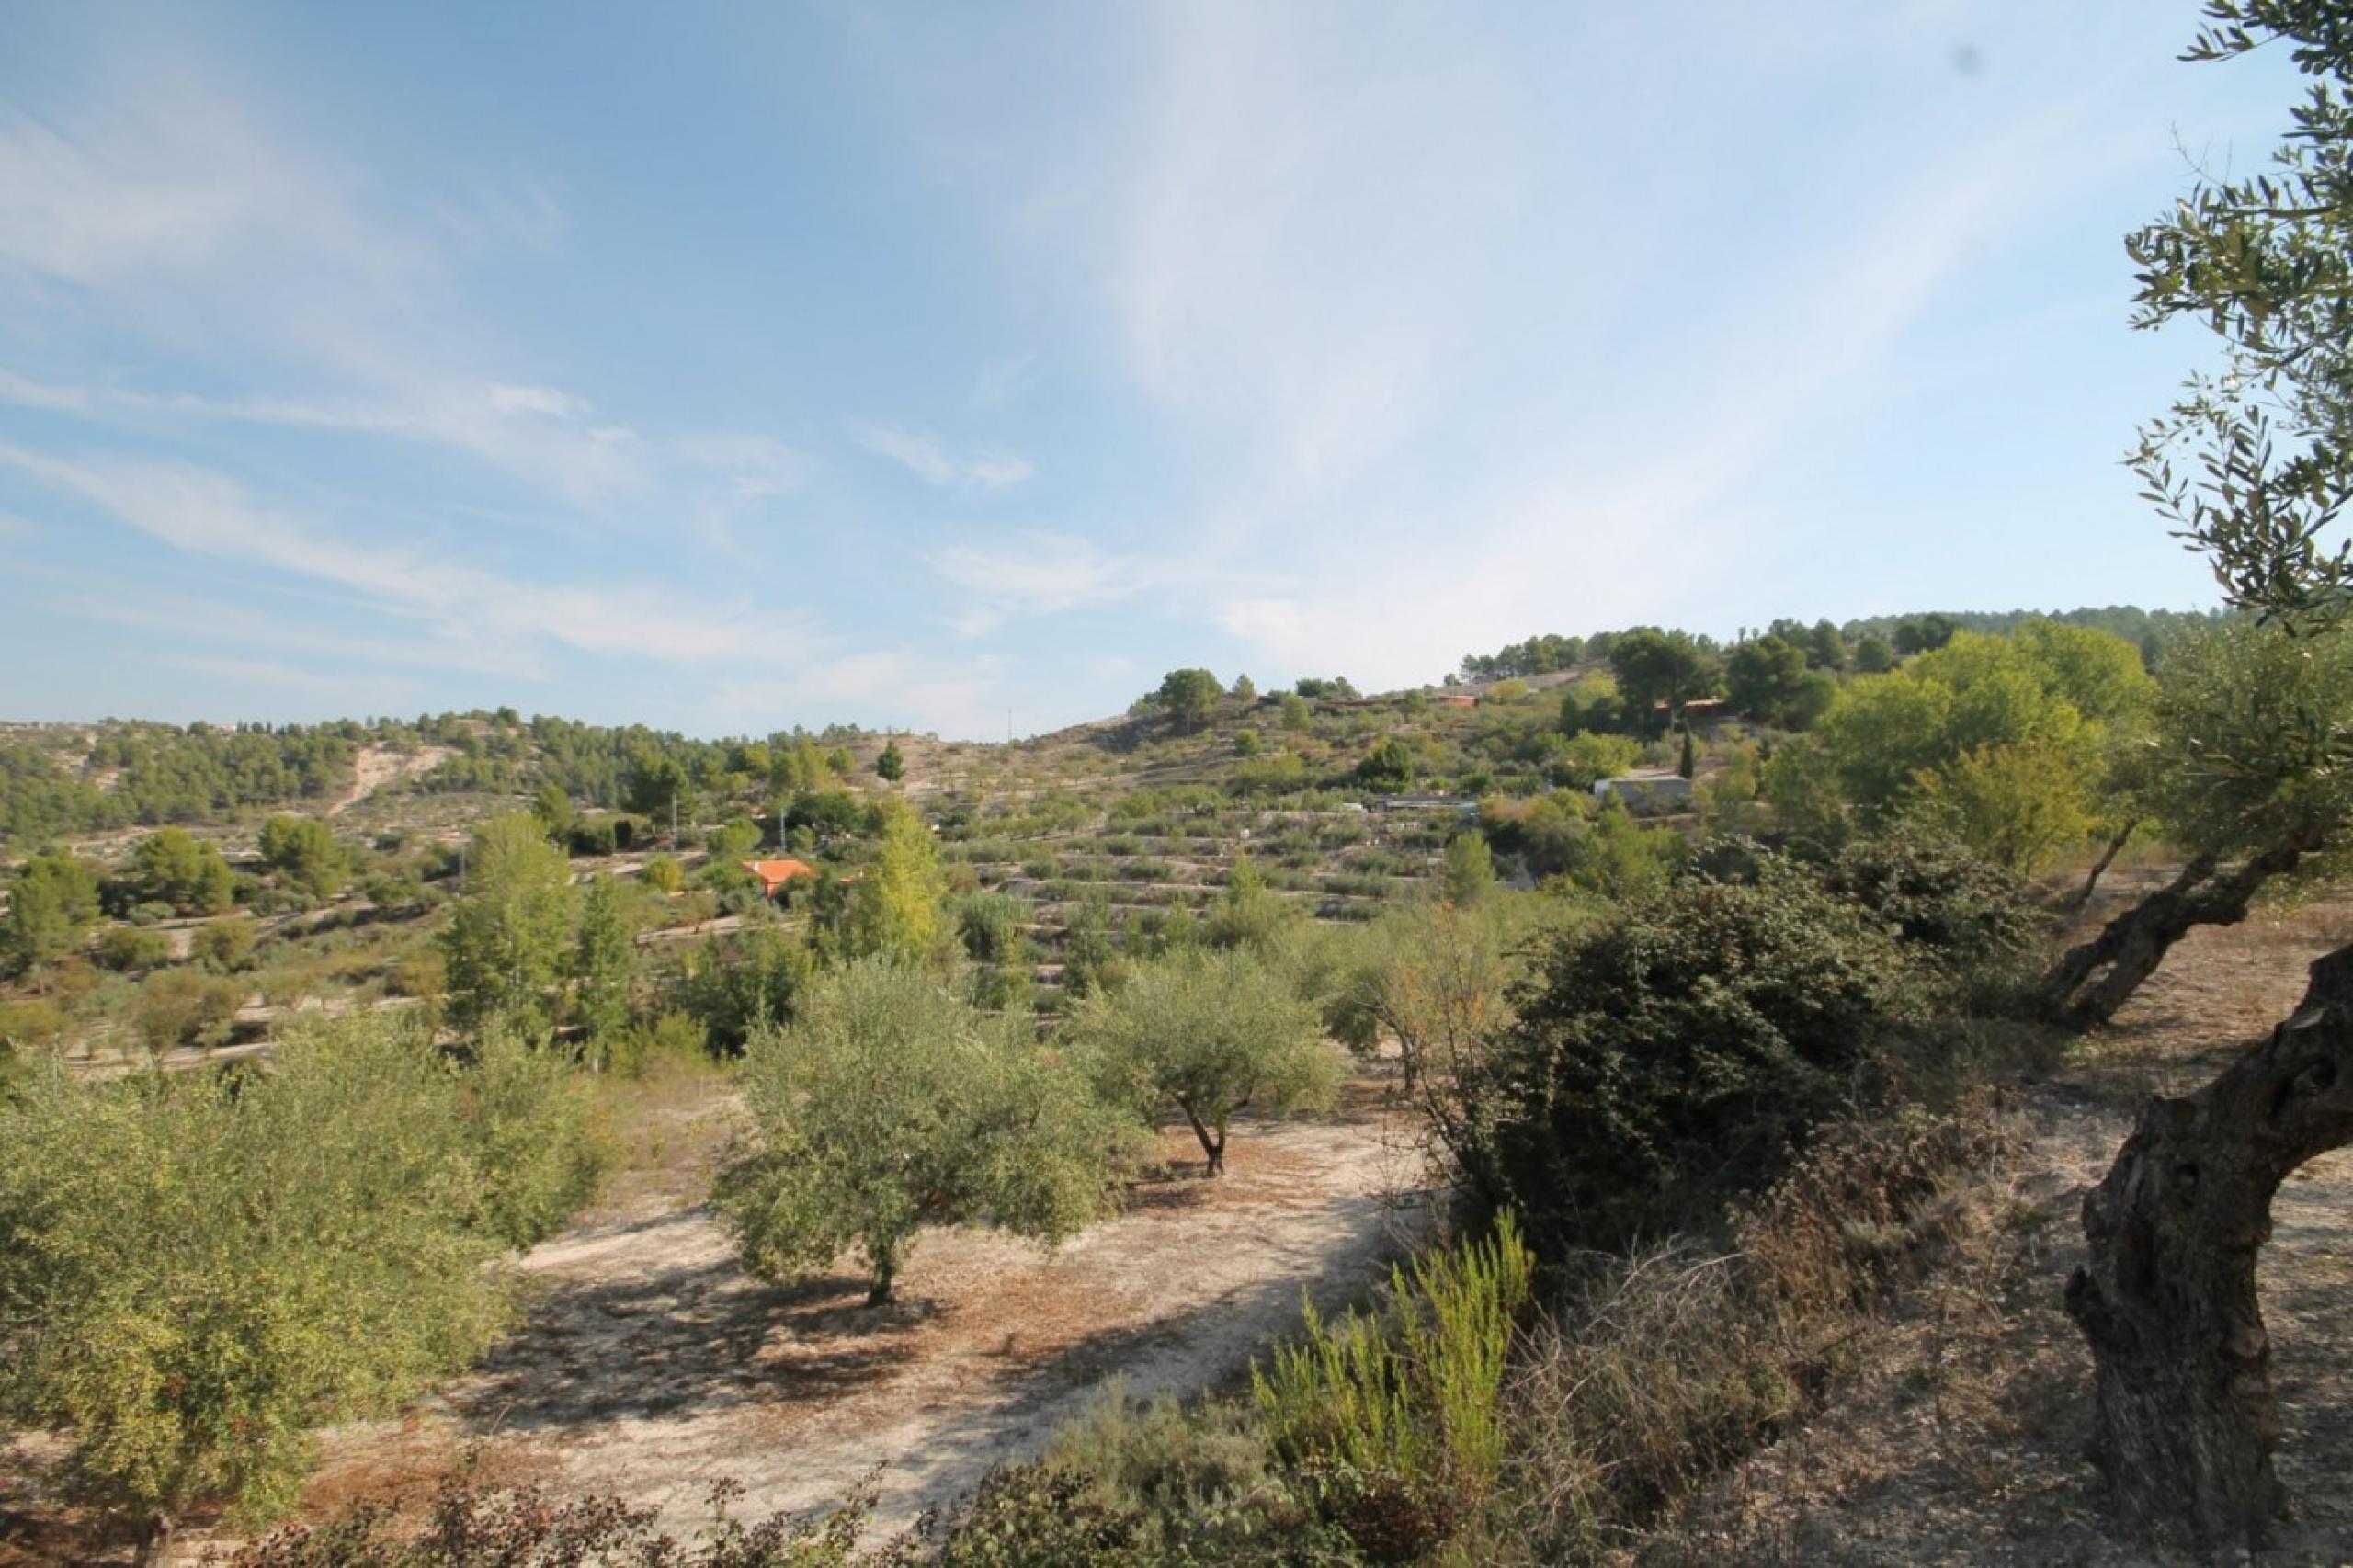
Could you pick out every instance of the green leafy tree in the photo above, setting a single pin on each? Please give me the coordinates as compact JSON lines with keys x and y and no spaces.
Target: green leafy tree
{"x":1249,"y":914}
{"x":553,"y":808}
{"x":1825,"y":648}
{"x":1874,"y":655}
{"x":225,"y":944}
{"x":604,"y":971}
{"x":889,"y":1105}
{"x":2244,"y":772}
{"x":305,"y":852}
{"x":1213,"y":1034}
{"x":1765,"y":679}
{"x":2185,"y":1417}
{"x":894,"y":907}
{"x":1469,"y":870}
{"x":181,"y":1006}
{"x":1658,"y":672}
{"x":658,"y":785}
{"x":2013,"y":734}
{"x":1388,"y":766}
{"x":891,"y":766}
{"x":171,"y":866}
{"x":732,"y":840}
{"x":1246,"y":690}
{"x":504,"y":944}
{"x":50,"y":903}
{"x":1188,"y":696}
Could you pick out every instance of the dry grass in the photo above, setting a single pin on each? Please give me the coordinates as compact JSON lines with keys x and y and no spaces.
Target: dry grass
{"x":1666,"y":1370}
{"x":1957,"y":1435}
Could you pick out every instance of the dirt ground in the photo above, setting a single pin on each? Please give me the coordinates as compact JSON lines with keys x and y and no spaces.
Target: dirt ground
{"x":374,"y":767}
{"x":651,"y":1367}
{"x":1962,"y":1440}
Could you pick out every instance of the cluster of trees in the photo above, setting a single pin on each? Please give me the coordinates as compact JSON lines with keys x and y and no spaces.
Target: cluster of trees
{"x":2016,"y":742}
{"x":1870,"y":645}
{"x":140,"y":773}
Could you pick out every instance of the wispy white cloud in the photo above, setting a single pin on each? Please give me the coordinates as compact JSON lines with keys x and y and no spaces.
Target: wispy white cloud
{"x":1445,"y":364}
{"x":507,"y":399}
{"x":1041,"y":573}
{"x":203,"y":514}
{"x":930,"y":462}
{"x":171,"y":211}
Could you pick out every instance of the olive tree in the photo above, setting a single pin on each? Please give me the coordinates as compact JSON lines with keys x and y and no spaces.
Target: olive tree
{"x":2244,"y":773}
{"x":2186,"y":1419}
{"x":196,"y":1274}
{"x":1213,"y":1033}
{"x":890,"y":1104}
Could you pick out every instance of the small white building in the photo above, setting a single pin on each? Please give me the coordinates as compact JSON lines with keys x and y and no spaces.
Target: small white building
{"x":1651,"y":787}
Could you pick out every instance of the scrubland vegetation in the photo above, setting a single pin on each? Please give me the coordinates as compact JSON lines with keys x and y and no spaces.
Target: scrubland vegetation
{"x":1704,"y":981}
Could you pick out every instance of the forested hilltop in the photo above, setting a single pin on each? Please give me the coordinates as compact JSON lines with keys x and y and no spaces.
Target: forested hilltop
{"x":81,"y":778}
{"x":1869,"y":642}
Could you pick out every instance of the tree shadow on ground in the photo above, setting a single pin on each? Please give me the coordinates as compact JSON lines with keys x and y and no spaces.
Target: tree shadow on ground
{"x":694,"y":1337}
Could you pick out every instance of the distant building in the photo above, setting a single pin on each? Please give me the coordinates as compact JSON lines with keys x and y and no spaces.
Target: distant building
{"x":1645,"y":787}
{"x":775,"y":874}
{"x":1454,"y":803}
{"x":1459,"y":700}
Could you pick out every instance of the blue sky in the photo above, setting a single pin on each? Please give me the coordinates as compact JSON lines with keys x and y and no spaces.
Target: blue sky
{"x":729,"y":366}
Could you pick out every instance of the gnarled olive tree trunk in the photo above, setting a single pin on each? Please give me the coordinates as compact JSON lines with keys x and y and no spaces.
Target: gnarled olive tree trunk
{"x":2187,"y":1419}
{"x":2086,"y":986}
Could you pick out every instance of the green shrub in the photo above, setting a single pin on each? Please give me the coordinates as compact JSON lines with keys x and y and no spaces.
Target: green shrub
{"x":184,"y":1007}
{"x":668,"y":1037}
{"x":198,"y":1272}
{"x":1157,"y":1456}
{"x":534,"y":1137}
{"x":127,"y":949}
{"x":1679,"y":1052}
{"x":1396,"y":1415}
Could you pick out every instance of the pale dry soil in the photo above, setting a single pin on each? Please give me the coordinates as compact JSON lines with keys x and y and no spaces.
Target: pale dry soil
{"x":652,"y":1367}
{"x":372,"y":768}
{"x":1962,"y":1438}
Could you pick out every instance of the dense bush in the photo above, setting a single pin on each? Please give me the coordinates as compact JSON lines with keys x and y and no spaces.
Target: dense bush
{"x":1937,"y":895}
{"x":1681,"y":1051}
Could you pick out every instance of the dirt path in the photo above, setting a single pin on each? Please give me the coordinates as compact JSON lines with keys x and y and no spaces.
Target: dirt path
{"x":374,"y":767}
{"x":1962,"y":1439}
{"x":654,"y":1368}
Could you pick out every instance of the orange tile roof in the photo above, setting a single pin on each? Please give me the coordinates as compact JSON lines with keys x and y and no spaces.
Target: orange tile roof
{"x":774,"y":874}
